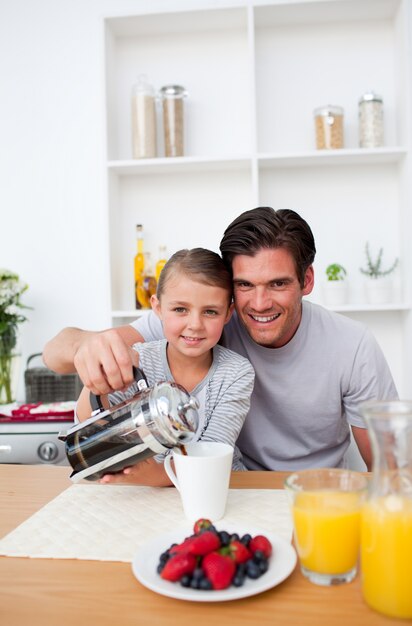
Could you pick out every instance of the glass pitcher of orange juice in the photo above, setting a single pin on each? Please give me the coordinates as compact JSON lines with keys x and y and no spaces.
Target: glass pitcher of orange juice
{"x":386,"y":517}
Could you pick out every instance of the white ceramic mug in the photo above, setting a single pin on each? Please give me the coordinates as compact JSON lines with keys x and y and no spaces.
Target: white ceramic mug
{"x":202,"y":478}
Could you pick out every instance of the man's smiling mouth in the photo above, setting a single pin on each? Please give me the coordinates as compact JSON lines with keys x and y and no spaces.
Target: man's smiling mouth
{"x":264,"y":318}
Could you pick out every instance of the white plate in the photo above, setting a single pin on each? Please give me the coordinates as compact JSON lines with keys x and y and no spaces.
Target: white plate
{"x":144,"y":565}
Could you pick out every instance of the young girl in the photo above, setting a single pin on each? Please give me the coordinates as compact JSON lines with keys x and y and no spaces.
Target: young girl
{"x":194,"y":302}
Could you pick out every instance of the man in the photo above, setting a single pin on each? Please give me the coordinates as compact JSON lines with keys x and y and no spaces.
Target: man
{"x":313,"y":367}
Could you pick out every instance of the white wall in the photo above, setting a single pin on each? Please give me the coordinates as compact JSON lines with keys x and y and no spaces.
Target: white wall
{"x":52,"y":160}
{"x":52,"y":147}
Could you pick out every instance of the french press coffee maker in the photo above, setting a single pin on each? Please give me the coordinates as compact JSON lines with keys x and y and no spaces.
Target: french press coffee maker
{"x":154,"y":420}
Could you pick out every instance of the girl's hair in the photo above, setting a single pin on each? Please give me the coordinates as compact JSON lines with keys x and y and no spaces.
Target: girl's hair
{"x":199,"y":264}
{"x":265,"y":228}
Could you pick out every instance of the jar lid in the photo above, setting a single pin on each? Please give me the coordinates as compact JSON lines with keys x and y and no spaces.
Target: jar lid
{"x":328,"y":110}
{"x":173,"y":91}
{"x":370,"y":96}
{"x":143,"y":86}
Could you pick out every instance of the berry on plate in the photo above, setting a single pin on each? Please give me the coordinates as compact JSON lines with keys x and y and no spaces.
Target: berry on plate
{"x":219,"y":569}
{"x":201,"y":524}
{"x":239,"y":552}
{"x":204,"y":543}
{"x":212,"y":559}
{"x":177,"y":566}
{"x":261,"y":543}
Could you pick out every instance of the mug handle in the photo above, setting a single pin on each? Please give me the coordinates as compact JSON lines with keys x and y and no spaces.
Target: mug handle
{"x":170,"y":472}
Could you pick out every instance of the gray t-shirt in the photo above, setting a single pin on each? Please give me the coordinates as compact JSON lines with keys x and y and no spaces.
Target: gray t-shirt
{"x":224,"y":393}
{"x":307,"y":392}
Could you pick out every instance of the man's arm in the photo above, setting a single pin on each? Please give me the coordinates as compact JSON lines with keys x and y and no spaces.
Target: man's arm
{"x":362,"y":441}
{"x":103,"y":359}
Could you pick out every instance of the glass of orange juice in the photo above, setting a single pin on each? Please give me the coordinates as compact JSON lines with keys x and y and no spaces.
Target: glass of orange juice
{"x":325,"y":505}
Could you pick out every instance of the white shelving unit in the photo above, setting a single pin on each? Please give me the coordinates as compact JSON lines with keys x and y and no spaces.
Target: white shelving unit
{"x":255,"y":70}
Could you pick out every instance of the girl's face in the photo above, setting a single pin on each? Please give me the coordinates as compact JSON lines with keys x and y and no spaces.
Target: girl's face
{"x":193,"y":314}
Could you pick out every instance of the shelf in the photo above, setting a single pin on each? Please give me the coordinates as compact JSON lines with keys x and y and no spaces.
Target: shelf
{"x":177,"y":164}
{"x":356,"y":156}
{"x":322,"y":12}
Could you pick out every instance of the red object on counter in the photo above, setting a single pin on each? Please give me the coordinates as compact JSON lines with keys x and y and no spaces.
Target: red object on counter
{"x":54,"y":412}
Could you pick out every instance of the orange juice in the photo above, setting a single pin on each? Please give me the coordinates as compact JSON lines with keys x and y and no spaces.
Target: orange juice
{"x":386,"y":555}
{"x":327,"y":530}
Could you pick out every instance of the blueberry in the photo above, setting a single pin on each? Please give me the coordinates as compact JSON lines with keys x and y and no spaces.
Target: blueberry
{"x":186,"y":580}
{"x":197,"y":573}
{"x":234,"y":537}
{"x":263,"y":565}
{"x":246,"y":539}
{"x":195,"y":583}
{"x":224,"y":538}
{"x":238,"y":580}
{"x":165,"y":556}
{"x":241,"y":569}
{"x":259,"y":556}
{"x":205,"y":584}
{"x":160,"y":568}
{"x":252,"y":570}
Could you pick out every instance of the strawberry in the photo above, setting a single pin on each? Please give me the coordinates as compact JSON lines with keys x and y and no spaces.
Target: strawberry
{"x":206,"y":542}
{"x":219,"y":569}
{"x":238,"y":552}
{"x":201,"y":524}
{"x":182,"y":547}
{"x":262,"y":543}
{"x":178,"y":565}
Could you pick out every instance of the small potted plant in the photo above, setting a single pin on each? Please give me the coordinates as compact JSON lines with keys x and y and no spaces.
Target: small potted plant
{"x":335,"y":289}
{"x":379,"y":286}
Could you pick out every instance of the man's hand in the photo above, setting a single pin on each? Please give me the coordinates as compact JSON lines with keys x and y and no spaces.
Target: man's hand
{"x":103,"y":359}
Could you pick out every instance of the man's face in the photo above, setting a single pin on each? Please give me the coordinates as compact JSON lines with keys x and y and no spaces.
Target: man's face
{"x":268,"y":296}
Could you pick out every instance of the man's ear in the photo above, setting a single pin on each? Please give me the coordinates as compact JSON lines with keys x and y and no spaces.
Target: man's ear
{"x":155,"y":304}
{"x":309,"y":282}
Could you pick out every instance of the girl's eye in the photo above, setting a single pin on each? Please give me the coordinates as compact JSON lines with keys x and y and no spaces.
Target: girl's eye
{"x":211,"y":312}
{"x":179,"y":309}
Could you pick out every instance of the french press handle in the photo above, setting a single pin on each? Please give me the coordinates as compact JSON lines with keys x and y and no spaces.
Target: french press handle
{"x":140,"y":379}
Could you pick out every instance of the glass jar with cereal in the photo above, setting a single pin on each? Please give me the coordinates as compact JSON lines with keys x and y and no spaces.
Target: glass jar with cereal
{"x":329,"y":127}
{"x":370,"y":121}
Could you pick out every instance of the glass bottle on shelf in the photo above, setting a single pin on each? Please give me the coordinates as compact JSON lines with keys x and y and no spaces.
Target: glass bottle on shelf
{"x":161,"y":262}
{"x":144,"y":135}
{"x":147,"y":286}
{"x":138,"y":265}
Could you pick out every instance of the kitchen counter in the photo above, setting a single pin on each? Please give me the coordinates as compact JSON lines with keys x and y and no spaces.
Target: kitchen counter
{"x":58,"y":592}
